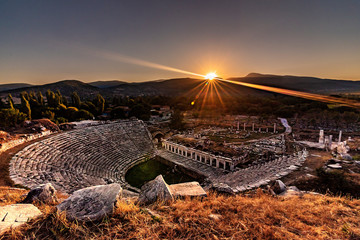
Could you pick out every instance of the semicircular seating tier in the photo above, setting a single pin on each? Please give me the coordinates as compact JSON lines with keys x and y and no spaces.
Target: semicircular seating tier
{"x":83,"y":157}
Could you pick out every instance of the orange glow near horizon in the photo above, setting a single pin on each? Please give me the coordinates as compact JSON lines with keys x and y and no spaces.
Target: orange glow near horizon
{"x":211,"y":76}
{"x":310,"y":96}
{"x":210,"y":90}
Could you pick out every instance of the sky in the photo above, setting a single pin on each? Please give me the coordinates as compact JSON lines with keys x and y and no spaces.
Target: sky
{"x":45,"y":41}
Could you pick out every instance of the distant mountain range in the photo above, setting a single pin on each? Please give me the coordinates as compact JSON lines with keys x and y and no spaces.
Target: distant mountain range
{"x":184,"y":86}
{"x":6,"y":87}
{"x":308,"y":84}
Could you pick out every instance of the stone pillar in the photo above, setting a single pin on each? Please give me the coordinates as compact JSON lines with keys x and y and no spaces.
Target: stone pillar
{"x":274,"y":127}
{"x":244,"y":126}
{"x":326,"y":141}
{"x":340,"y":134}
{"x":267,"y":129}
{"x":253,"y":127}
{"x":217,"y":162}
{"x":224,"y":165}
{"x":321,"y":136}
{"x":232,"y":166}
{"x":210,"y":161}
{"x":330,"y":141}
{"x":260,"y":129}
{"x":238,"y":125}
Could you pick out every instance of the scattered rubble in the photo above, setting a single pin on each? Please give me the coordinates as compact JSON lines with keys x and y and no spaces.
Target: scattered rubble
{"x":45,"y":193}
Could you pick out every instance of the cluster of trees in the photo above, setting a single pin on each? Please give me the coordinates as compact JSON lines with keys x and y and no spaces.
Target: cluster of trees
{"x":56,"y":108}
{"x":60,"y":109}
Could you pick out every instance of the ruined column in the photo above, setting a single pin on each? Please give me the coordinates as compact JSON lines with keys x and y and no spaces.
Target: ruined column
{"x":274,"y":127}
{"x":232,"y":166}
{"x":253,"y":127}
{"x":259,"y":129}
{"x":321,"y":136}
{"x":217,"y":162}
{"x":330,"y":140}
{"x":244,"y":126}
{"x":238,"y":125}
{"x":340,"y":133}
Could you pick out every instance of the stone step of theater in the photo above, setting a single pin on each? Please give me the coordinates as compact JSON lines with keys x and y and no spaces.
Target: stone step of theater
{"x":83,"y":157}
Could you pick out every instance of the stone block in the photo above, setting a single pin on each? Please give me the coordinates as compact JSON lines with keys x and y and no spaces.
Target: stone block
{"x":16,"y":215}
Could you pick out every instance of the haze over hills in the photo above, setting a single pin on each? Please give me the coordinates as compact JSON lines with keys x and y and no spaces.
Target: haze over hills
{"x":106,"y":84}
{"x":307,"y":84}
{"x":10,"y":86}
{"x":66,"y":87}
{"x":179,"y":86}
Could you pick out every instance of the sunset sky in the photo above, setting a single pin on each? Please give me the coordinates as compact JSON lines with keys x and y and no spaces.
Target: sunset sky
{"x":47,"y":41}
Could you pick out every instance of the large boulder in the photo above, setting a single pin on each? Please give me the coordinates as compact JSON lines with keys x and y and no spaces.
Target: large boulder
{"x":45,"y":193}
{"x":15,"y":215}
{"x":155,"y":190}
{"x":92,"y":203}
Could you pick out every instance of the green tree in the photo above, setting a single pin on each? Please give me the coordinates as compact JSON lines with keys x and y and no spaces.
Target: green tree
{"x":2,"y":104}
{"x":117,"y":112}
{"x":71,"y":113}
{"x":83,"y":114}
{"x":11,"y":117}
{"x":75,"y":100}
{"x":177,"y":120}
{"x":50,"y":97}
{"x":40,"y":98}
{"x":49,"y":114}
{"x":25,"y":105}
{"x":141,"y":111}
{"x":99,"y":102}
{"x":10,"y":101}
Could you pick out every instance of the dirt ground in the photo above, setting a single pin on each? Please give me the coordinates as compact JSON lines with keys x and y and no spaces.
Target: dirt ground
{"x":316,"y":159}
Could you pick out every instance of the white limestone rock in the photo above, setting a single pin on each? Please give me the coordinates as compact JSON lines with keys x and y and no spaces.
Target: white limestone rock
{"x":92,"y":203}
{"x":335,"y":166}
{"x":45,"y":193}
{"x":155,"y":190}
{"x":291,"y":191}
{"x":188,"y":189}
{"x":15,"y":215}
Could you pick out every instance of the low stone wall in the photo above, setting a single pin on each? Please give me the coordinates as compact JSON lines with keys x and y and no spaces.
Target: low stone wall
{"x":26,"y":138}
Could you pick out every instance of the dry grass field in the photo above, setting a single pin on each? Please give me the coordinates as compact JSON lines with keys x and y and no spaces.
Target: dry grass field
{"x":255,"y":216}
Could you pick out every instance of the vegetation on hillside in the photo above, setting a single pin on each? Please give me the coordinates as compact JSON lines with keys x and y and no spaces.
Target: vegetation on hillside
{"x":256,"y":216}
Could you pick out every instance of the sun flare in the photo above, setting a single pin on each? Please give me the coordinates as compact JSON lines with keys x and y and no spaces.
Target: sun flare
{"x":211,"y":76}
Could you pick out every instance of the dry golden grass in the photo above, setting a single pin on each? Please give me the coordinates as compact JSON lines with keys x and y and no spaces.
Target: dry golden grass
{"x":216,"y":217}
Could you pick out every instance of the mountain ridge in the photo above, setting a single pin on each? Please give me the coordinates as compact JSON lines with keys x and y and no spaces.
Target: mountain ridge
{"x":182,"y":86}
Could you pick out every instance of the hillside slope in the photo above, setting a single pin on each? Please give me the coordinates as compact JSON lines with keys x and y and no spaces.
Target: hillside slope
{"x":256,"y":216}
